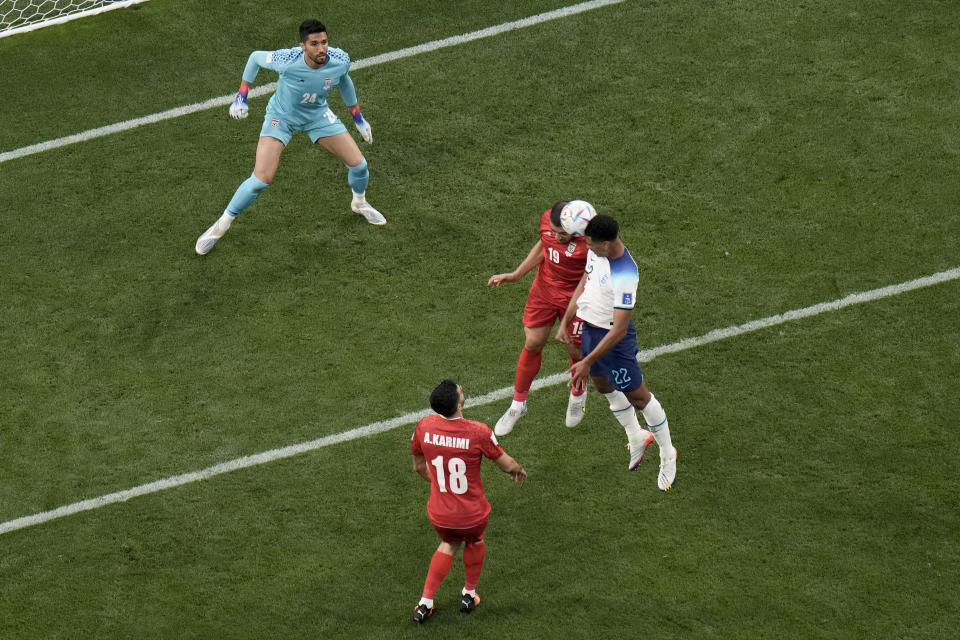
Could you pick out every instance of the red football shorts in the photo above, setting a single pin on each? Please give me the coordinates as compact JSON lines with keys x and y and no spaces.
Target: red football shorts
{"x":454,"y":536}
{"x":546,"y":305}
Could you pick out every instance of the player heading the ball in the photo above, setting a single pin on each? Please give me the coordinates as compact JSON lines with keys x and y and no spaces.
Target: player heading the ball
{"x":604,"y":299}
{"x":559,"y":256}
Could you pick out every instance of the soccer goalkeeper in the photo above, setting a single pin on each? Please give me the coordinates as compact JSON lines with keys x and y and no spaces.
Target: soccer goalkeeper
{"x":307,"y":74}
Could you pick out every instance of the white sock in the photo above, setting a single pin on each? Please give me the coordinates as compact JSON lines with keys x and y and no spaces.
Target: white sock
{"x":626,"y":415}
{"x":468,"y":592}
{"x":517,"y":405}
{"x":426,"y":601}
{"x":656,"y":419}
{"x":359,"y":197}
{"x":226,"y":219}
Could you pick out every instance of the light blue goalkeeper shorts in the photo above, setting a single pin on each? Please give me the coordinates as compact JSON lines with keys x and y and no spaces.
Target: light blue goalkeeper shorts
{"x":275,"y":126}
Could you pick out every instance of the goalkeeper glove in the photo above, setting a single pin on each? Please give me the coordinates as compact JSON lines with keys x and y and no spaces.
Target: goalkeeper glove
{"x":362,"y":125}
{"x":239,"y":110}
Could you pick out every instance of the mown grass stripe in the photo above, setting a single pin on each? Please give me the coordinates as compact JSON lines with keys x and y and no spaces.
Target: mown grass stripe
{"x":493,"y":396}
{"x":267,"y":89}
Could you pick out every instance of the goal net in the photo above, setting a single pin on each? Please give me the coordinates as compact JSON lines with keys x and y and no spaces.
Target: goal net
{"x":17,"y":16}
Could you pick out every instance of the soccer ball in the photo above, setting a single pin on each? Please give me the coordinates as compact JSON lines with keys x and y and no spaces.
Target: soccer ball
{"x":575,"y":216}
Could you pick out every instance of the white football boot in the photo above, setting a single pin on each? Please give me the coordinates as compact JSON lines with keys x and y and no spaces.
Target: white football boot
{"x":508,"y":419}
{"x":668,"y":471}
{"x":206,"y":242}
{"x":364,"y":208}
{"x":637,"y":453}
{"x":576,"y":407}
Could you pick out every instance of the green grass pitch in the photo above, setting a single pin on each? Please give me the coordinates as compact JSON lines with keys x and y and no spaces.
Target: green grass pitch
{"x":761,"y":156}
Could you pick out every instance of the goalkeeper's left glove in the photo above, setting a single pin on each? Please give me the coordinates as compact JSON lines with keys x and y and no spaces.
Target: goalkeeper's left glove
{"x":362,"y":125}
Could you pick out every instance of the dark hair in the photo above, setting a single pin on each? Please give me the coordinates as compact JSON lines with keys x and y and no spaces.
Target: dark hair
{"x":602,"y":228}
{"x":445,"y":398}
{"x":309,"y":27}
{"x":555,"y":213}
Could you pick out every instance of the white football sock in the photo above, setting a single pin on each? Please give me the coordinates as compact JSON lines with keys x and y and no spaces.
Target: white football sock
{"x":426,"y":601}
{"x":656,"y":419}
{"x":626,"y":415}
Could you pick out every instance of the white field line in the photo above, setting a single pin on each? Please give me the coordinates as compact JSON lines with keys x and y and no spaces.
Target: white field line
{"x":494,"y":396}
{"x":223,"y":101}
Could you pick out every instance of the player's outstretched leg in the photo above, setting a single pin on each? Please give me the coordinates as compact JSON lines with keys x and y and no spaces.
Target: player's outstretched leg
{"x":244,"y":196}
{"x":528,"y":365}
{"x":358,"y":177}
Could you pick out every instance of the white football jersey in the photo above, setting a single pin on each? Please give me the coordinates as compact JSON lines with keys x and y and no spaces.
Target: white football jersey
{"x":611,"y":284}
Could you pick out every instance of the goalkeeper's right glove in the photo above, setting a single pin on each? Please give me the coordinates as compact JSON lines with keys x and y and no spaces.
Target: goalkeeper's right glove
{"x":239,"y":110}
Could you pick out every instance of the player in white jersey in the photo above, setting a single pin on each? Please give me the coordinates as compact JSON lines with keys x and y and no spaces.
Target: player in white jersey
{"x":308,"y":73}
{"x":604,"y":300}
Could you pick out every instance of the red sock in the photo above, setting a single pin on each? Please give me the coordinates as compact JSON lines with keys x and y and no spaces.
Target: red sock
{"x":439,"y":568}
{"x":473,"y":563}
{"x":573,"y":390}
{"x":528,"y":366}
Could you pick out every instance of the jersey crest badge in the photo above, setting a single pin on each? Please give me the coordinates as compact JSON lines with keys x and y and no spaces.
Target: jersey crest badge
{"x":571,"y":248}
{"x":275,"y":123}
{"x":327,"y":83}
{"x":627,"y":298}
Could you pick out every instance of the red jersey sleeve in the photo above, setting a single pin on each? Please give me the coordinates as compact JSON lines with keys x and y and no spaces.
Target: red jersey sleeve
{"x":488,"y":442}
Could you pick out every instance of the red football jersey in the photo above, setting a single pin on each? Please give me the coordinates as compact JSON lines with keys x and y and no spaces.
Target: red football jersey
{"x":454,"y":449}
{"x":563,"y":264}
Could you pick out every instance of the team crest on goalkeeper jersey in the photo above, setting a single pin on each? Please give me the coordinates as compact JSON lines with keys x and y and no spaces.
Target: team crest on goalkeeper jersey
{"x":327,"y":83}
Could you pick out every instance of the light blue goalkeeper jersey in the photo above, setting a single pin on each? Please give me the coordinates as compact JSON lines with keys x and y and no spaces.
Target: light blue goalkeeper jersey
{"x":301,"y":95}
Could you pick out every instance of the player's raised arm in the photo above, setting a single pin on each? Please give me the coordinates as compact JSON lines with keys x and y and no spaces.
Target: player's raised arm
{"x":534,"y":258}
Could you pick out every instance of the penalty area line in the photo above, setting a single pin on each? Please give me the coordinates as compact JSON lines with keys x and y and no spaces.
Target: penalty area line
{"x":266,"y":89}
{"x":476,"y":401}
